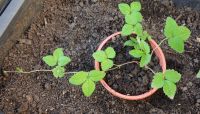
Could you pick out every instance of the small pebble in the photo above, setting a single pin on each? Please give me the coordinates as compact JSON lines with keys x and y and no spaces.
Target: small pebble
{"x":29,"y":98}
{"x":47,"y":86}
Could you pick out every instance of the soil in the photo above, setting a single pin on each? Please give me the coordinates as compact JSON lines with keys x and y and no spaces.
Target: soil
{"x":79,"y":26}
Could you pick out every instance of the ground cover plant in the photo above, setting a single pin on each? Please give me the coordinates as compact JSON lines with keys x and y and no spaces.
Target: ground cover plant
{"x":175,"y":35}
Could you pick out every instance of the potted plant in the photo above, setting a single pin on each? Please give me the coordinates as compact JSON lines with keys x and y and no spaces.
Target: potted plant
{"x":140,"y":49}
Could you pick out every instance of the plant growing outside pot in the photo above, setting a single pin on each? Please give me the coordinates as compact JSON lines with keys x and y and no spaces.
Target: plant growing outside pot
{"x":175,"y":35}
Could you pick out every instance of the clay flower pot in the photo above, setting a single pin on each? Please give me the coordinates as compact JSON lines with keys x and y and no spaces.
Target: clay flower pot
{"x":158,"y":52}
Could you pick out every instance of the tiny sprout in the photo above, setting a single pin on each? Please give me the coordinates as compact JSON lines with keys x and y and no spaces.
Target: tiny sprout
{"x":58,"y":61}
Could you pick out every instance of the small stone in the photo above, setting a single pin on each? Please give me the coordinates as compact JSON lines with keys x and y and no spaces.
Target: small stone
{"x":23,"y":107}
{"x":198,"y":100}
{"x":29,"y":98}
{"x":94,"y":1}
{"x":184,"y":88}
{"x":196,"y":60}
{"x":198,"y":40}
{"x":81,"y":4}
{"x":25,"y":41}
{"x":47,"y":86}
{"x":190,"y":84}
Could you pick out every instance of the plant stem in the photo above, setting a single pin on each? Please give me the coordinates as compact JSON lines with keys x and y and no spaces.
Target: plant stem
{"x":123,"y":64}
{"x":158,"y":46}
{"x":34,"y":71}
{"x":147,"y":67}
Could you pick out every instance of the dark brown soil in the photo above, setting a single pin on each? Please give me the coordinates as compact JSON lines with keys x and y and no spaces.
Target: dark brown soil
{"x":78,"y":26}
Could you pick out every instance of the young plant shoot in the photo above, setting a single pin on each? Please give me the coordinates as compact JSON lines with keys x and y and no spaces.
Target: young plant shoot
{"x":175,"y":35}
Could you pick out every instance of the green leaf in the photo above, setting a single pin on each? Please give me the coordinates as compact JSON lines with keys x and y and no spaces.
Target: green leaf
{"x":19,"y":70}
{"x":110,"y":52}
{"x":136,"y":53}
{"x":63,"y":60}
{"x":170,"y":27}
{"x":198,"y":74}
{"x":127,"y":30}
{"x":50,"y":60}
{"x":96,"y":75}
{"x":129,"y":43}
{"x":135,"y":6}
{"x":145,"y":60}
{"x":58,"y":53}
{"x":172,"y":76}
{"x":176,"y":44}
{"x":78,"y":78}
{"x":131,"y":19}
{"x":182,"y":33}
{"x":124,"y":8}
{"x":138,"y":29}
{"x":145,"y":35}
{"x":99,"y":56}
{"x":169,"y":89}
{"x":88,"y":87}
{"x":145,"y":46}
{"x":58,"y":72}
{"x":158,"y":81}
{"x":107,"y":64}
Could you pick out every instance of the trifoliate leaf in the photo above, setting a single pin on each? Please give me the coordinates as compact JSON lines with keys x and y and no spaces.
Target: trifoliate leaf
{"x":136,"y":53}
{"x":172,"y":76}
{"x":182,"y":33}
{"x":124,"y":8}
{"x":50,"y":60}
{"x":58,"y":53}
{"x":99,"y":56}
{"x":88,"y":87}
{"x":63,"y":60}
{"x":96,"y":75}
{"x":131,"y":19}
{"x":110,"y":52}
{"x":145,"y":46}
{"x":107,"y":64}
{"x":158,"y":81}
{"x":127,"y":30}
{"x":170,"y":27}
{"x":129,"y":43}
{"x":169,"y":89}
{"x":78,"y":78}
{"x":176,"y":44}
{"x":135,"y":6}
{"x":58,"y":72}
{"x":198,"y":74}
{"x":145,"y":60}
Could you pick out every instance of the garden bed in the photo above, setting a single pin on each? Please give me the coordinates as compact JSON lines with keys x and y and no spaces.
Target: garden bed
{"x":79,"y":27}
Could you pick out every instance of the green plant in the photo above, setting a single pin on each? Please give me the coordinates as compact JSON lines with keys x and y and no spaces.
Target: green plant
{"x":167,"y":81}
{"x":176,"y":36}
{"x":58,"y":61}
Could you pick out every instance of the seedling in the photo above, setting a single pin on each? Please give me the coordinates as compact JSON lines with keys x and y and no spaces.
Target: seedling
{"x":175,"y":35}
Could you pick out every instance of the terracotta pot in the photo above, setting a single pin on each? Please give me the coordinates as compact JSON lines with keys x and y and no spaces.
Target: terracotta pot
{"x":158,"y":52}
